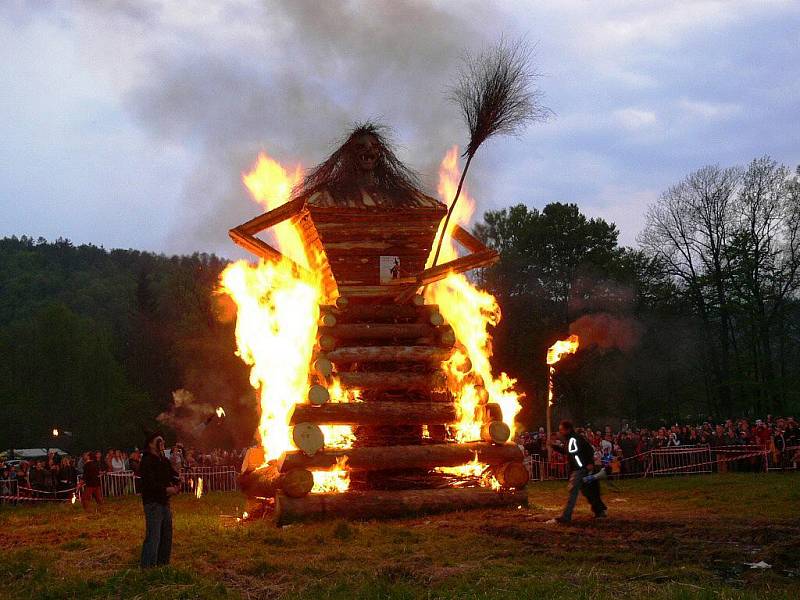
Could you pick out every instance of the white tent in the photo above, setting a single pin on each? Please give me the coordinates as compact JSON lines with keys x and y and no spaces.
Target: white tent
{"x":30,"y":453}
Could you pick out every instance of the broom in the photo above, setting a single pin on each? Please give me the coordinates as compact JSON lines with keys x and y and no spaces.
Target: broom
{"x":495,"y":93}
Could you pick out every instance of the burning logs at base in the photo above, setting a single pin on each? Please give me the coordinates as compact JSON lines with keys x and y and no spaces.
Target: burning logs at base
{"x":391,"y":504}
{"x":266,"y":481}
{"x":424,"y":456}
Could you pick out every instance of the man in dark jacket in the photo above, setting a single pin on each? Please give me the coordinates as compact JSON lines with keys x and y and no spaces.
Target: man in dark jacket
{"x":580,"y":456}
{"x":158,"y":482}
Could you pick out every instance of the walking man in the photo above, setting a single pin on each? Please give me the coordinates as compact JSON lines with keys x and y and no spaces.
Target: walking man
{"x":159,"y":482}
{"x":580,"y":456}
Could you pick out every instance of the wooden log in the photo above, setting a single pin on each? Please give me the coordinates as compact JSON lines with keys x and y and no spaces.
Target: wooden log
{"x":375,"y":413}
{"x":377,"y":331}
{"x":262,"y":482}
{"x":459,"y":265}
{"x":323,"y":366}
{"x":379,"y":312}
{"x":393,"y":380}
{"x":426,"y":354}
{"x":263,"y":250}
{"x":318,"y":395}
{"x":308,"y":438}
{"x":265,"y":482}
{"x":327,"y":342}
{"x":366,"y":505}
{"x":297,"y":483}
{"x":381,"y":458}
{"x":276,"y":215}
{"x":511,"y":475}
{"x":492,"y":412}
{"x":327,"y":320}
{"x":447,"y":337}
{"x":342,"y":302}
{"x":467,"y":240}
{"x":436,"y":319}
{"x":495,"y":431}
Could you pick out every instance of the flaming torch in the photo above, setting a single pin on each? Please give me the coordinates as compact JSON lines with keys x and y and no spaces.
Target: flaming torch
{"x":554,"y":354}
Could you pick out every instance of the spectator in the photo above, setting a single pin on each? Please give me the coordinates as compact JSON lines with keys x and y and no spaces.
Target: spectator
{"x":159,"y":482}
{"x":91,"y":481}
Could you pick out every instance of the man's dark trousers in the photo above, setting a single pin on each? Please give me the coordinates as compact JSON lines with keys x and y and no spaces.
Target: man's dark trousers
{"x":157,"y":545}
{"x":590,"y":490}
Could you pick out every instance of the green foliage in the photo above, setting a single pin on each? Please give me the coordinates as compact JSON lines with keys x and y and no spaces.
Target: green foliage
{"x":94,"y":342}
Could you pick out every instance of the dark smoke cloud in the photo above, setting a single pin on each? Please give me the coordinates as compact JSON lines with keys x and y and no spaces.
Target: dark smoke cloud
{"x":606,"y":331}
{"x":310,"y":69}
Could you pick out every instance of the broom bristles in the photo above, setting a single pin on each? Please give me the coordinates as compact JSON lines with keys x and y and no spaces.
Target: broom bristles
{"x":496,"y":94}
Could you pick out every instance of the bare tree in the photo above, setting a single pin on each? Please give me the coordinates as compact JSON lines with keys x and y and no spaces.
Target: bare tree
{"x":765,"y":256}
{"x":688,"y":229}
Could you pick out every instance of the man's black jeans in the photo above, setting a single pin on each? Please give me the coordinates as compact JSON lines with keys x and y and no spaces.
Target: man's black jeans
{"x":157,"y":545}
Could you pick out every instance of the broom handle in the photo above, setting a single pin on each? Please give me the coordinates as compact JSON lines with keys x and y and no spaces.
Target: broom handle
{"x":451,"y":209}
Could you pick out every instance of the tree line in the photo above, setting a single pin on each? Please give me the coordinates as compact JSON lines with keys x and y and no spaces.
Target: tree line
{"x":702,"y":319}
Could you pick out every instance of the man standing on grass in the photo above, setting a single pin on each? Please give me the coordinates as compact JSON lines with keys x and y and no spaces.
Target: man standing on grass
{"x":91,"y":481}
{"x":159,"y":482}
{"x":580,"y":456}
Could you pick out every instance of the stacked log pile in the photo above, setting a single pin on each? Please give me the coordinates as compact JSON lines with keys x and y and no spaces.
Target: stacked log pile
{"x":392,"y":354}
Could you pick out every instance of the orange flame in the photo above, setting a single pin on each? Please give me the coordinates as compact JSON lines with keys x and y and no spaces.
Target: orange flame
{"x":470,"y":312}
{"x":562,"y":347}
{"x":277,"y":315}
{"x":554,"y":354}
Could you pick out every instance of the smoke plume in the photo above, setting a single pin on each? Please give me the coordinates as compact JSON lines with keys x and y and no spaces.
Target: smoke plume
{"x":606,"y":331}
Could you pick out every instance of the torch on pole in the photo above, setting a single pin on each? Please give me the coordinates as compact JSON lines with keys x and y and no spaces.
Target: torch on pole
{"x":554,"y":354}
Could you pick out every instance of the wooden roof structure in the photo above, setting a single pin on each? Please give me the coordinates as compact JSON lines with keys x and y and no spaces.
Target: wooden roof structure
{"x":355,"y":241}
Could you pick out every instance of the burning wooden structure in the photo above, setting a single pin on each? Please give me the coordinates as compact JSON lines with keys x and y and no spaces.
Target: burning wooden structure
{"x":377,"y":365}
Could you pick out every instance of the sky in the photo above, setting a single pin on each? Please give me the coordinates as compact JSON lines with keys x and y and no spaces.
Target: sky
{"x":128,"y":123}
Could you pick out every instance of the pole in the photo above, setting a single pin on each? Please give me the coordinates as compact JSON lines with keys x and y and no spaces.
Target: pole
{"x":551,"y":370}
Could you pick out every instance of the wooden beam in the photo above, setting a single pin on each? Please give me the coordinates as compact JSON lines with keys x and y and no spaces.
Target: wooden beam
{"x":426,"y":354}
{"x":378,"y":331}
{"x":263,"y":250}
{"x":379,"y":458}
{"x":467,"y":240}
{"x":273,"y":217}
{"x":373,"y":504}
{"x":393,"y":380}
{"x":375,"y":413}
{"x":459,"y":265}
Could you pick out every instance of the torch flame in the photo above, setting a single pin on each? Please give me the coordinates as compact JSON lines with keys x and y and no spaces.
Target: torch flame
{"x":277,"y":315}
{"x":220,"y":412}
{"x":562,"y":347}
{"x":198,"y":492}
{"x":470,"y":312}
{"x":554,"y":354}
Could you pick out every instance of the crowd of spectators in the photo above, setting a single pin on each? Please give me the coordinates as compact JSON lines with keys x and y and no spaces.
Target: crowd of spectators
{"x":58,"y":475}
{"x":624,"y":450}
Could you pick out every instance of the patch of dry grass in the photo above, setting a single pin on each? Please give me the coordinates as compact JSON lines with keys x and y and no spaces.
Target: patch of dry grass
{"x":672,"y":538}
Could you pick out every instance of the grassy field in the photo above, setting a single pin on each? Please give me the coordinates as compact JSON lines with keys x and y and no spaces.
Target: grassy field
{"x":670,"y":538}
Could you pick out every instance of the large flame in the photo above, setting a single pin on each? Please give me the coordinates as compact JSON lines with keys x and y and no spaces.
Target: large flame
{"x":470,"y":312}
{"x":562,"y":347}
{"x":276,"y":324}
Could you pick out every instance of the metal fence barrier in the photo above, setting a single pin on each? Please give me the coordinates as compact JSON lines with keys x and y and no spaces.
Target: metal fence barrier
{"x":680,"y":460}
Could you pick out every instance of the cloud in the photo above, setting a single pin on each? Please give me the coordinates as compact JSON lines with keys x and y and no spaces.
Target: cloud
{"x":709,"y":110}
{"x":635,"y":118}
